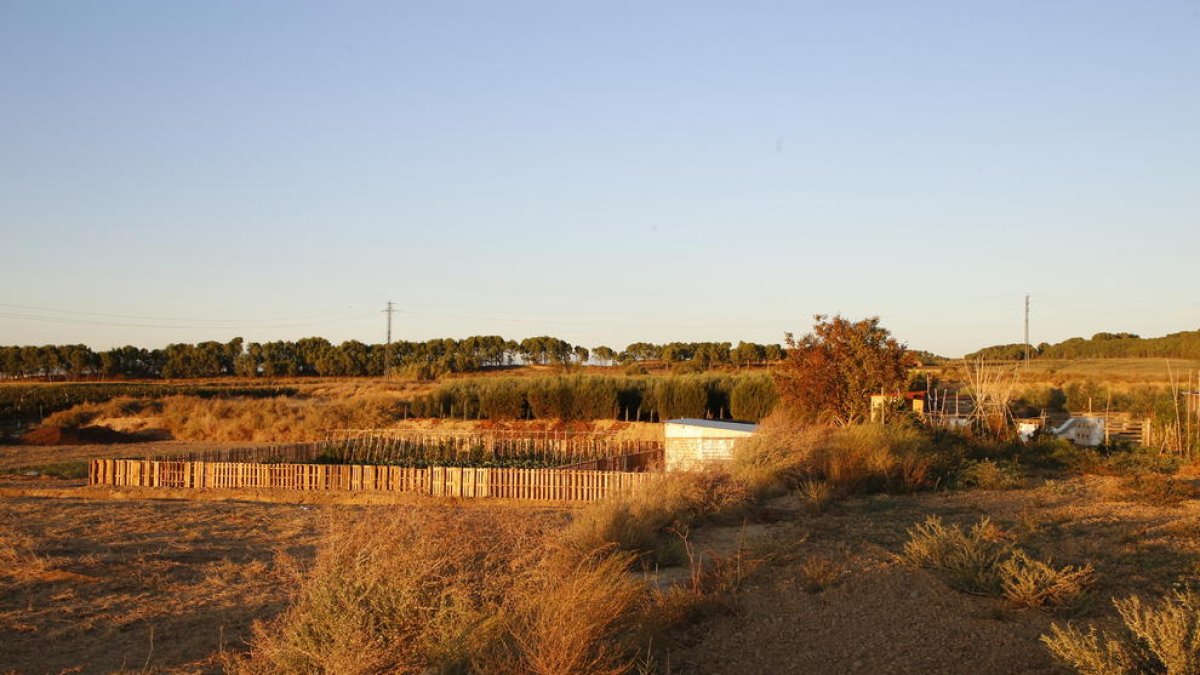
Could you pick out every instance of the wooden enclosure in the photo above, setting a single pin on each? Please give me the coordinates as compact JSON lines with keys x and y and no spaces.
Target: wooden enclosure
{"x":525,"y":484}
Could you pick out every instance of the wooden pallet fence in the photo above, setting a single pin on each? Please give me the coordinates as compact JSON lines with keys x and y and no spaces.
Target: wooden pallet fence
{"x":439,"y":481}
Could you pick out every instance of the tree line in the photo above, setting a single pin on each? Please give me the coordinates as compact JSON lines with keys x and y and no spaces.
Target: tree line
{"x":1182,"y":345}
{"x":318,"y":356}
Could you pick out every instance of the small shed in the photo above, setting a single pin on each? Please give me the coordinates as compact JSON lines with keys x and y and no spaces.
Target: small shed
{"x":691,"y":444}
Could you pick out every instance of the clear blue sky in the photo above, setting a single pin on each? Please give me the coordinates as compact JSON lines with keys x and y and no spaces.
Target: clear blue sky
{"x":602,"y":172}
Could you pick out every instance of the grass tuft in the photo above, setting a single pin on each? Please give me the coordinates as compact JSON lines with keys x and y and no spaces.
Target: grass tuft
{"x":978,"y":561}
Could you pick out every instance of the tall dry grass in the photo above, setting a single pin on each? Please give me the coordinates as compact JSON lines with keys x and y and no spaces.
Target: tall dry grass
{"x":437,"y":591}
{"x":645,"y":522}
{"x":260,"y":420}
{"x":852,"y":460}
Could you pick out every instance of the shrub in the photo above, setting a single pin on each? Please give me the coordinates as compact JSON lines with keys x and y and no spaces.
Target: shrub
{"x":970,"y":560}
{"x":854,"y":460}
{"x":1159,"y":638}
{"x":418,"y":591}
{"x":815,"y":495}
{"x":817,"y":574}
{"x":1138,"y":461}
{"x":978,"y":561}
{"x":644,"y":522}
{"x":681,"y":396}
{"x":777,"y":456}
{"x":989,"y":475}
{"x":876,"y":458}
{"x":1028,"y":582}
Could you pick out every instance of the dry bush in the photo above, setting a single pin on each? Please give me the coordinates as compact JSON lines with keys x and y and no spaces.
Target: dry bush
{"x":565,"y":613}
{"x":414,"y":591}
{"x":271,"y":420}
{"x":1028,"y":582}
{"x":815,"y":495}
{"x":86,"y":413}
{"x":875,"y":458}
{"x":642,"y":522}
{"x":989,"y":475}
{"x":712,"y":586}
{"x":777,"y":455}
{"x":970,"y":560}
{"x":1159,"y":638}
{"x":979,"y":561}
{"x":851,"y":460}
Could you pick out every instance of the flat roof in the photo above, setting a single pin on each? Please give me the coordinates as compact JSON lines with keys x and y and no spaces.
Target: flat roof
{"x":714,"y":424}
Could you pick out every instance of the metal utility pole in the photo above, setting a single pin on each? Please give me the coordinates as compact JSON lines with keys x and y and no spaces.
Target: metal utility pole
{"x":1027,"y":328}
{"x":387,"y":353}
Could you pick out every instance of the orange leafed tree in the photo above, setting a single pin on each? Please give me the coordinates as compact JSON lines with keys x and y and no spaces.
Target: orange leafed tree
{"x":830,"y":373}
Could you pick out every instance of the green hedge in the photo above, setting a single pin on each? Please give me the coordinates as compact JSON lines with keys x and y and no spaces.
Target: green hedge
{"x":588,"y":397}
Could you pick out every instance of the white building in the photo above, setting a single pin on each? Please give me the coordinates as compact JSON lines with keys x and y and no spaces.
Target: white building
{"x":691,"y":444}
{"x":1085,"y":431}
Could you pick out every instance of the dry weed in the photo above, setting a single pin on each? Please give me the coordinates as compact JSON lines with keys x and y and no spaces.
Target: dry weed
{"x":815,"y":495}
{"x":1162,"y":638}
{"x":1028,"y":582}
{"x":979,"y":561}
{"x":817,"y":574}
{"x":969,"y":559}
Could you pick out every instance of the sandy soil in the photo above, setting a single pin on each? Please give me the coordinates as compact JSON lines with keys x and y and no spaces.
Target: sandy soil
{"x":103,"y":586}
{"x":90,"y":584}
{"x":835,"y":599}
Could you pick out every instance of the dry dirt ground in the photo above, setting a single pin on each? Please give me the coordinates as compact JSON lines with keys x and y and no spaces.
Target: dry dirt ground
{"x":833,"y":598}
{"x":103,"y":586}
{"x":93,"y":585}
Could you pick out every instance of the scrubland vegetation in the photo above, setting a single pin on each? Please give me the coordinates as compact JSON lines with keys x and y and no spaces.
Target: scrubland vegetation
{"x":1089,"y":552}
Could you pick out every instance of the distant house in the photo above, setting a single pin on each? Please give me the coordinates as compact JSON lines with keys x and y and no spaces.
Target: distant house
{"x":691,"y":444}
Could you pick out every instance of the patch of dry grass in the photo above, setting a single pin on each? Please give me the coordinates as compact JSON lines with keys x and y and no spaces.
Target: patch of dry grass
{"x":19,"y":561}
{"x":853,"y":460}
{"x":1155,"y":489}
{"x":453,"y":592}
{"x":644,"y":522}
